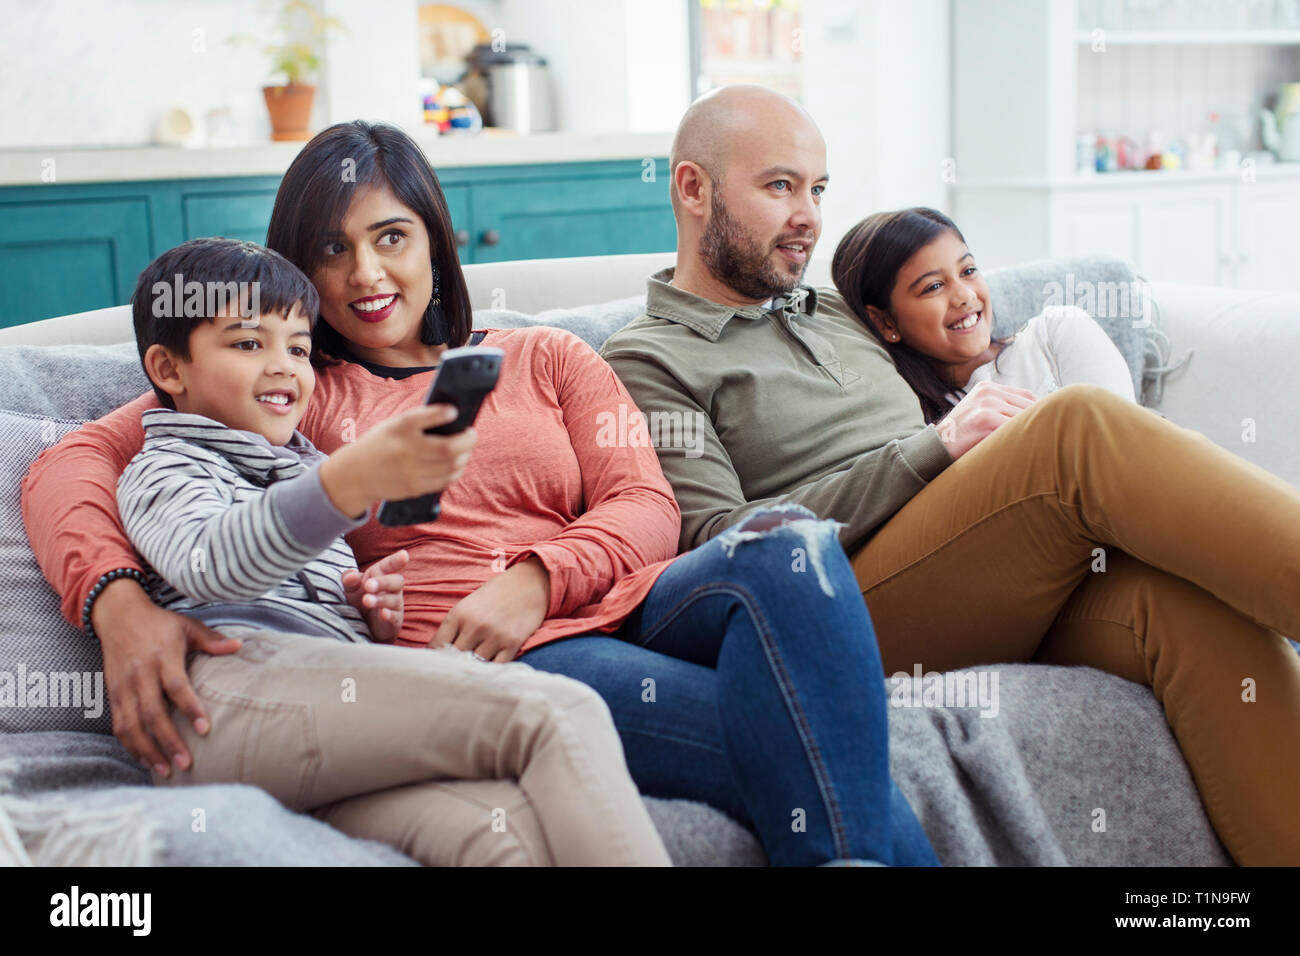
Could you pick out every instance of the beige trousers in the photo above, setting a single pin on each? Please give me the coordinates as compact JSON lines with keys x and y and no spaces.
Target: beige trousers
{"x":452,"y":760}
{"x":1090,"y":531}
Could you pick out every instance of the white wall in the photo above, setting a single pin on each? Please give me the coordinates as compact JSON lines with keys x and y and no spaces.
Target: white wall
{"x":92,"y":72}
{"x":657,"y":41}
{"x":616,"y":65}
{"x":105,"y":70}
{"x":876,"y":80}
{"x":371,"y":72}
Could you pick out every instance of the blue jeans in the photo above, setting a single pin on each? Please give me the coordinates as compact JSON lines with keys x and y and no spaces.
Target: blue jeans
{"x":750,"y":679}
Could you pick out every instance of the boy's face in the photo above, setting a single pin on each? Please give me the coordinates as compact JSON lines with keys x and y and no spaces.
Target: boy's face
{"x":252,"y":375}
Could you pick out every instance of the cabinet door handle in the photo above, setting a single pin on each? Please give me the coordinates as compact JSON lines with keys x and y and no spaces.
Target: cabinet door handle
{"x":462,"y":237}
{"x":490,"y":237}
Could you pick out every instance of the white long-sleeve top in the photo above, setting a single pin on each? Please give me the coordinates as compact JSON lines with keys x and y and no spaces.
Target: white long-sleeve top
{"x":235,"y":530}
{"x":1063,"y":345}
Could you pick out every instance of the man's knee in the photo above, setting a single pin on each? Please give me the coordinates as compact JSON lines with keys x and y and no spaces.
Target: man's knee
{"x":778,"y":522}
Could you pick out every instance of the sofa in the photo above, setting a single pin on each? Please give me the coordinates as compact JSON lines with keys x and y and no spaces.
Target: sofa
{"x":1022,"y":786}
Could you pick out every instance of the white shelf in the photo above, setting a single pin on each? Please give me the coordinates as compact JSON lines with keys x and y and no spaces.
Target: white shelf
{"x":1130,"y":178}
{"x":1192,"y":37}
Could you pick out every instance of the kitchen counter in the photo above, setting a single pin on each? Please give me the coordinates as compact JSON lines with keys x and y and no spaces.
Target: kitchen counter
{"x":25,"y":167}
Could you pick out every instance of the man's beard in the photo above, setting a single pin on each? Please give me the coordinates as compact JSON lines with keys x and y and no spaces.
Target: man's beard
{"x":737,"y":260}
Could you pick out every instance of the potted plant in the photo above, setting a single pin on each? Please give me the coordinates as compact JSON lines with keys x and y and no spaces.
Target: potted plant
{"x":294,"y":54}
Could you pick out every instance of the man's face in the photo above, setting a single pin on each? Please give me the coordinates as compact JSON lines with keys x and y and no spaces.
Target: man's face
{"x":765,"y":215}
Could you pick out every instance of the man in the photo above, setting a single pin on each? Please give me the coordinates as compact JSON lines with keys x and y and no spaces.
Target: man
{"x":749,"y":168}
{"x":977,"y":541}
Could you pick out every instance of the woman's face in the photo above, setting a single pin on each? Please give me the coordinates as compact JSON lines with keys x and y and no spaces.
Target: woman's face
{"x":940,"y":303}
{"x":375,"y":281}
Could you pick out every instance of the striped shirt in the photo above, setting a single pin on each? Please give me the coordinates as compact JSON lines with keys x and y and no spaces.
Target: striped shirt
{"x":235,"y":530}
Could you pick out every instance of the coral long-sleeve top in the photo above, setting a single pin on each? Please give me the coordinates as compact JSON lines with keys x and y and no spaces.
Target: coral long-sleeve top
{"x":543,"y":480}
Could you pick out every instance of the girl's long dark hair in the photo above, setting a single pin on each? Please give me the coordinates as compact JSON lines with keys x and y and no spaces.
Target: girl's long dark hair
{"x":865,"y":268}
{"x":314,"y":197}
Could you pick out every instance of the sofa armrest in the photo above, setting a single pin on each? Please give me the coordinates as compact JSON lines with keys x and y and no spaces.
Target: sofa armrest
{"x":98,"y":327}
{"x":1239,"y":387}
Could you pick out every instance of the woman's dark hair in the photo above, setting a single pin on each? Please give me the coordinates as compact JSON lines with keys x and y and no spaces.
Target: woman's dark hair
{"x":193,"y":282}
{"x":314,"y":197}
{"x":865,"y":268}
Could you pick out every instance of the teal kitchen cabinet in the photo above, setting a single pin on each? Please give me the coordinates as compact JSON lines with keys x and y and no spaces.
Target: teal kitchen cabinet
{"x":60,"y":257}
{"x":232,"y":208}
{"x":588,"y":209}
{"x":458,"y":205}
{"x":71,"y":248}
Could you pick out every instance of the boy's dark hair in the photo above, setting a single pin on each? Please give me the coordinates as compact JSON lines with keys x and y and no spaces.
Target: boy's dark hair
{"x":315,"y":194}
{"x":166,"y":309}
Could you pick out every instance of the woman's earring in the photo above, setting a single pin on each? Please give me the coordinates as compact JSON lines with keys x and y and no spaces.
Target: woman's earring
{"x":435,"y":318}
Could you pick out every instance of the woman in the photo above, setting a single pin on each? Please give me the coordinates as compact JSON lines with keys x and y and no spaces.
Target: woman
{"x":736,"y":675}
{"x":937,"y":324}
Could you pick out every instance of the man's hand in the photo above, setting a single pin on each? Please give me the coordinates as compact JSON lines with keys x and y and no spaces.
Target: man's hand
{"x":377,"y":594}
{"x":495,"y":620}
{"x":983,"y":410}
{"x":144,"y":667}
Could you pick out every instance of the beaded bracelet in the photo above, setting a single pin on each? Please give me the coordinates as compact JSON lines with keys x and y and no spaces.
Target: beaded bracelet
{"x":102,"y":583}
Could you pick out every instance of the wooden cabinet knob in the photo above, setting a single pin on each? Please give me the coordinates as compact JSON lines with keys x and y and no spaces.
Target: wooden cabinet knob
{"x":490,"y":237}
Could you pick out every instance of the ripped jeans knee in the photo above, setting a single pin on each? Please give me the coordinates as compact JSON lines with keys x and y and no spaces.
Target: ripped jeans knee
{"x":802,"y":540}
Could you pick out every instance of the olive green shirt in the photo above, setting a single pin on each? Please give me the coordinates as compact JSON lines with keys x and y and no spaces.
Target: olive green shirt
{"x":788,"y":402}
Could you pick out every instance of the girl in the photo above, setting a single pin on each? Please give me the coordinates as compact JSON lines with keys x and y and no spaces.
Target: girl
{"x":912,"y":280}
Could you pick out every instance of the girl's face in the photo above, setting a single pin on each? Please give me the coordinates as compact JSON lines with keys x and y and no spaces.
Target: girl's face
{"x":375,"y":281}
{"x":940,"y":304}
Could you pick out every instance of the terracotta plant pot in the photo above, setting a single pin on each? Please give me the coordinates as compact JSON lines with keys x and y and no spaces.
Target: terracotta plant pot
{"x":290,"y":109}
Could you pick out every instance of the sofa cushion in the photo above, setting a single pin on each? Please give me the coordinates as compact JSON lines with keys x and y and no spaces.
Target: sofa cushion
{"x":51,"y":674}
{"x":77,"y":382}
{"x":591,"y":323}
{"x":1103,"y":286}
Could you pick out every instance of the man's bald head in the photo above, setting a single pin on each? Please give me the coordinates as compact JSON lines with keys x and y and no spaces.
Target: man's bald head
{"x":724,"y":120}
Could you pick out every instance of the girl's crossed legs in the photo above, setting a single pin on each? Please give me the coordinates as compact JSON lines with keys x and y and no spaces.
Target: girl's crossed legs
{"x":1088,"y":530}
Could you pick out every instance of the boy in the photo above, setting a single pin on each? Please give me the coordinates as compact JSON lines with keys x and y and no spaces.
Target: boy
{"x":239,"y":518}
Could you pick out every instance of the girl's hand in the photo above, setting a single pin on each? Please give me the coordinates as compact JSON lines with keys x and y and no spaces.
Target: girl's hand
{"x":984,"y":409}
{"x":495,"y":620}
{"x":377,"y":594}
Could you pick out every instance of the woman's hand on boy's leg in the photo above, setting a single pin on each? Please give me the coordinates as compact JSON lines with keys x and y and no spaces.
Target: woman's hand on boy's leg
{"x":144,"y":669}
{"x":377,"y":594}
